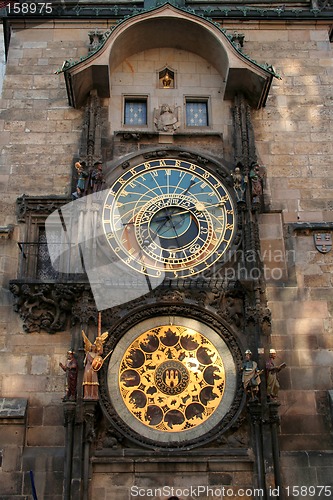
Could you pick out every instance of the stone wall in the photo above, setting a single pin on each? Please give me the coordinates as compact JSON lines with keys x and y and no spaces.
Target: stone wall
{"x":293,"y":140}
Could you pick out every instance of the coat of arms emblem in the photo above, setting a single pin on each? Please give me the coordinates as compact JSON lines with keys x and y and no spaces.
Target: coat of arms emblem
{"x":323,"y":242}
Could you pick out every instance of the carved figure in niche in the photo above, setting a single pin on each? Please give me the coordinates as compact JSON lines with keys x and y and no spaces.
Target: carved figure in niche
{"x":256,"y":179}
{"x":166,"y":118}
{"x":251,"y":376}
{"x":92,"y":363}
{"x":167,"y":80}
{"x":81,"y":179}
{"x":97,"y":177}
{"x":240,"y":182}
{"x":71,"y":369}
{"x":272,"y":380}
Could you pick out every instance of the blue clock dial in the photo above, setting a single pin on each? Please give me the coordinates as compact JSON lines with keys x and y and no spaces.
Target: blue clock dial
{"x":170,"y":216}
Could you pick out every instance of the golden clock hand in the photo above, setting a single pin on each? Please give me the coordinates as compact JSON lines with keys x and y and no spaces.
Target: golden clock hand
{"x":198,"y":206}
{"x":201,"y":206}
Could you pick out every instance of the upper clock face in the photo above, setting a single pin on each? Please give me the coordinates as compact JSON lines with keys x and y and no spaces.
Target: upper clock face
{"x":169,"y":216}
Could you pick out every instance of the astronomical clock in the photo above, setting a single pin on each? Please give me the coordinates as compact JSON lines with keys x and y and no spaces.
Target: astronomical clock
{"x":176,"y":215}
{"x":172,"y":380}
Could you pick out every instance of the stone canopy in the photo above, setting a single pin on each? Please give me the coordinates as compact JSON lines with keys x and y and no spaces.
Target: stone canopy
{"x":168,"y":26}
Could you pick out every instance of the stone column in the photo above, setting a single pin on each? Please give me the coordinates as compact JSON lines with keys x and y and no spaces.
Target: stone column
{"x":255,"y":410}
{"x":89,"y":409}
{"x":69,"y":422}
{"x":274,"y":421}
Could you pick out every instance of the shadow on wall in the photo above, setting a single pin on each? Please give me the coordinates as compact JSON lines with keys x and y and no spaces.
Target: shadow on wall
{"x":2,"y":59}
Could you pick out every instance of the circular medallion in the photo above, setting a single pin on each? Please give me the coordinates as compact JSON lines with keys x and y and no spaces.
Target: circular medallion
{"x":171,"y":377}
{"x":183,"y":376}
{"x":169,"y":216}
{"x":171,"y":382}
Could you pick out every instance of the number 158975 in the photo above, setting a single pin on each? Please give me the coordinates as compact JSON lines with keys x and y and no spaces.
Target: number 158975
{"x":26,"y":8}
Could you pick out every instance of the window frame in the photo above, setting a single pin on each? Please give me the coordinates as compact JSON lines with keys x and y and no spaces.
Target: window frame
{"x":136,"y":99}
{"x":198,"y":99}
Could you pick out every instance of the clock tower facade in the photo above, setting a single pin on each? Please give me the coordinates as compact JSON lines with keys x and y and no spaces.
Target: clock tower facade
{"x":177,"y":219}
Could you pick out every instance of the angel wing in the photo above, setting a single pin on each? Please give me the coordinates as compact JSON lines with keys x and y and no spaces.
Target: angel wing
{"x":87,"y":343}
{"x":104,"y":336}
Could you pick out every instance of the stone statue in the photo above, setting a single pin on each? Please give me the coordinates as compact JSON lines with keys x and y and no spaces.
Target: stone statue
{"x":71,"y":369}
{"x":256,"y":180}
{"x":166,"y":118}
{"x":272,"y":380}
{"x":81,"y":180}
{"x":251,"y":376}
{"x":97,"y":178}
{"x":92,"y":363}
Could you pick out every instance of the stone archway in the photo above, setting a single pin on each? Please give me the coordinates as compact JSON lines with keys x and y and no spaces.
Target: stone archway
{"x":180,"y":29}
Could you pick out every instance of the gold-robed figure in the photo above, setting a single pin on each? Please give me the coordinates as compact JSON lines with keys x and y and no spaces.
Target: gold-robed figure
{"x":92,"y":363}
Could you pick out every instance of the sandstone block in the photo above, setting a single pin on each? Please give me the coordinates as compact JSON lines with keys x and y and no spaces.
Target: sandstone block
{"x":45,"y":436}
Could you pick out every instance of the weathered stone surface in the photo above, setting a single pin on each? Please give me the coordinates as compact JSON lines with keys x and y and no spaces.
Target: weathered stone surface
{"x":13,"y":407}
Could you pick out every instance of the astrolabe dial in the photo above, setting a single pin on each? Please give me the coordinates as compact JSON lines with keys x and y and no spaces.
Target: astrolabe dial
{"x":169,"y":216}
{"x":171,"y":378}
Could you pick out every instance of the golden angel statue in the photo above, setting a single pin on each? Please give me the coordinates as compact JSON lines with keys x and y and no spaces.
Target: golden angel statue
{"x":92,"y":363}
